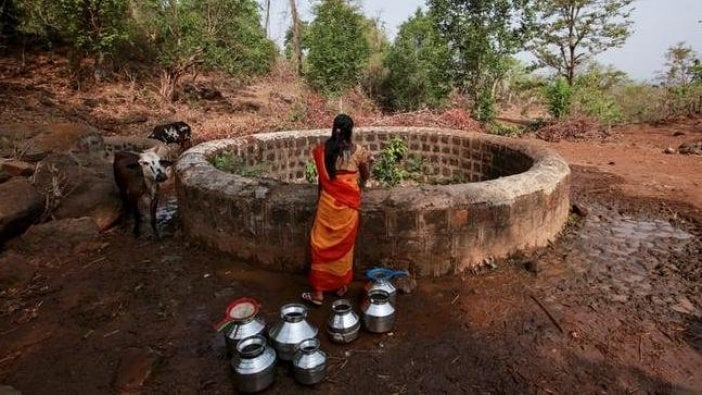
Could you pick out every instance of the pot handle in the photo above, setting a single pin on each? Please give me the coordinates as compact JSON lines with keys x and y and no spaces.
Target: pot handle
{"x":388,"y":274}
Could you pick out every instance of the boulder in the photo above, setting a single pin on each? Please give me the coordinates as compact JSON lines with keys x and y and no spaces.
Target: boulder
{"x":17,"y":168}
{"x":76,"y":234}
{"x":96,"y":198}
{"x":20,"y":206}
{"x":62,"y":137}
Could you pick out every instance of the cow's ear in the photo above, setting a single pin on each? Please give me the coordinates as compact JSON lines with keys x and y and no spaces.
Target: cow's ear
{"x":166,"y":163}
{"x":133,"y":166}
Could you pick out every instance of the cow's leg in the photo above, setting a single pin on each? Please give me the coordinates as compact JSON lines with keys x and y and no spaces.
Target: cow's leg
{"x":154,"y":206}
{"x":137,"y":218}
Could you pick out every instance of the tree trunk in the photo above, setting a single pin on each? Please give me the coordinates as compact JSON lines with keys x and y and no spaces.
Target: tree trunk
{"x":297,"y":49}
{"x":268,"y":14}
{"x":571,"y":67}
{"x":169,"y":83}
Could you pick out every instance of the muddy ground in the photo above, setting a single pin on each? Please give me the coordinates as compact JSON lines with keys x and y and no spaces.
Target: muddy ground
{"x":623,"y":286}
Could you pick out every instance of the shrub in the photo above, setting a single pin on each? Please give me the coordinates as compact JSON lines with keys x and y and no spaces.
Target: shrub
{"x":484,"y":107}
{"x":558,"y":96}
{"x":310,"y":172}
{"x":596,"y":103}
{"x":388,"y":170}
{"x":503,"y":129}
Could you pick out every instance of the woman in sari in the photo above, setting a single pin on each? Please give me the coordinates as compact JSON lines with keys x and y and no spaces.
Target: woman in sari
{"x":342,"y":168}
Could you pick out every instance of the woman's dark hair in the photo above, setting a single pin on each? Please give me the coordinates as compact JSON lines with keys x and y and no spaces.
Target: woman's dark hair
{"x":339,"y":141}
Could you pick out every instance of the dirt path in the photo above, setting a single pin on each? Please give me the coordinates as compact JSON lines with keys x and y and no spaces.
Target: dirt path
{"x":636,"y":155}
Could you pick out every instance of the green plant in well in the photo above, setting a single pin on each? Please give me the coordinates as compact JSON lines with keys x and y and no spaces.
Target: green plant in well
{"x":232,"y":163}
{"x":310,"y":172}
{"x":388,"y":170}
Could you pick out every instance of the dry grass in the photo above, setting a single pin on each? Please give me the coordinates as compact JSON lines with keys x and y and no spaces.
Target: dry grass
{"x":130,"y":104}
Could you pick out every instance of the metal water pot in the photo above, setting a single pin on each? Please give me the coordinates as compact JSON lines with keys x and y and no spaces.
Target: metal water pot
{"x":344,"y":324}
{"x":309,"y":363}
{"x":378,"y":312}
{"x":242,"y":320}
{"x":381,"y":279}
{"x":293,"y":328}
{"x":253,"y":364}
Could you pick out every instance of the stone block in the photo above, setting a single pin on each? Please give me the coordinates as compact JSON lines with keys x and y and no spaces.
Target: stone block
{"x":402,"y":223}
{"x":434,"y":222}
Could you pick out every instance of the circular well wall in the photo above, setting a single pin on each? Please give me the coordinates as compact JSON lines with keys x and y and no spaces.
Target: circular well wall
{"x":516,"y":197}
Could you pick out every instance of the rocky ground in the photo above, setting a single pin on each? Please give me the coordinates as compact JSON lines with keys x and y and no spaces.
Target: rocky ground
{"x":614,"y":306}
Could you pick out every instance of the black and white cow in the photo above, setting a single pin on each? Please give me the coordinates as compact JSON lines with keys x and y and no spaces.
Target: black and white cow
{"x":138,"y":177}
{"x":173,"y":133}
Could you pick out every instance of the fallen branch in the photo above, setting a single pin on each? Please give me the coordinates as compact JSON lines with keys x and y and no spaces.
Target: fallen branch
{"x":547,"y":313}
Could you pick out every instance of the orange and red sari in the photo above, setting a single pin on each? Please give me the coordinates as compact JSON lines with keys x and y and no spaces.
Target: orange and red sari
{"x":335,"y":227}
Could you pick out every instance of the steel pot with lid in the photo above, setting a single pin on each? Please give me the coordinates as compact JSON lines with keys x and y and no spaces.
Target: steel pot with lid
{"x":381,"y":279}
{"x":242,"y":320}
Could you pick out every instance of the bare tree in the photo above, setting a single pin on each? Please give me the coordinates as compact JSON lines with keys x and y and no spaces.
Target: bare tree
{"x":268,"y":14}
{"x":297,"y":48}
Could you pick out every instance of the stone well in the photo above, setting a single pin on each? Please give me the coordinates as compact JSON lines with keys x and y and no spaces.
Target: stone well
{"x":517,"y":198}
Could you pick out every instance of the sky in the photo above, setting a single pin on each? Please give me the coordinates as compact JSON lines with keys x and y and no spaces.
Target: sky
{"x":658,"y":24}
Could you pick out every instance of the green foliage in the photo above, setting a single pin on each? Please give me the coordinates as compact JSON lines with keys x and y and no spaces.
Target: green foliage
{"x":596,"y":103}
{"x":338,"y":48}
{"x":89,"y":27}
{"x":310,"y":172}
{"x":484,"y":108}
{"x":682,"y":66}
{"x":571,"y":32}
{"x":558,"y":97}
{"x":232,"y":163}
{"x":504,"y":129}
{"x":388,"y":170}
{"x":418,"y":65}
{"x":481,"y":35}
{"x":374,"y":76}
{"x":224,"y":35}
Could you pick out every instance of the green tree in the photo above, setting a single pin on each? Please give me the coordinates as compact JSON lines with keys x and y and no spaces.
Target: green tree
{"x":89,"y":27}
{"x":571,"y":32}
{"x":216,"y":34}
{"x":374,"y":75}
{"x":682,"y":66}
{"x":418,"y":65}
{"x":338,"y":49}
{"x":482,"y":35}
